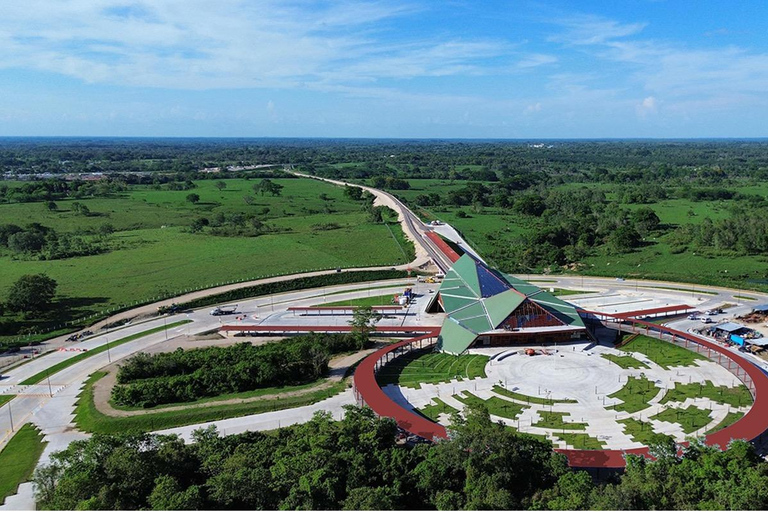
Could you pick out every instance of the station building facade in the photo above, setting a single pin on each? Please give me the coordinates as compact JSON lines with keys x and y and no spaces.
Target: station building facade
{"x":485,"y":307}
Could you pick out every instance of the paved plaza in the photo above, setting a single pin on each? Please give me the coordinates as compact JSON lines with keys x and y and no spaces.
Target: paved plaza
{"x":577,"y":382}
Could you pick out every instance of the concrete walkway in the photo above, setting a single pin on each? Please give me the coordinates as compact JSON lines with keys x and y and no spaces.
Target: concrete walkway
{"x":575,"y":374}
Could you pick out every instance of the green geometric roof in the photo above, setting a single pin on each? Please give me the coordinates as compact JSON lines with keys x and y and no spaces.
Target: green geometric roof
{"x":478,"y":299}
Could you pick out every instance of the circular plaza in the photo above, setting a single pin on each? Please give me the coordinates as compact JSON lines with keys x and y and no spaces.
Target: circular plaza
{"x":582,"y":396}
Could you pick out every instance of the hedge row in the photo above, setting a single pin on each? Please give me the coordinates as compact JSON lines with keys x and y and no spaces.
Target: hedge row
{"x":300,"y":283}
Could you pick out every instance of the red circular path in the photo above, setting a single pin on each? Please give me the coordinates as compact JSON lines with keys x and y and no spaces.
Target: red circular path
{"x":751,"y":426}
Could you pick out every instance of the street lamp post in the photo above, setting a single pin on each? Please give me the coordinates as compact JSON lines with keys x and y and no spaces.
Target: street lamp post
{"x":109,"y":356}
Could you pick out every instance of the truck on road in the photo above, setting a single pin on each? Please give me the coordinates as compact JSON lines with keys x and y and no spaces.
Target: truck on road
{"x":224,"y":310}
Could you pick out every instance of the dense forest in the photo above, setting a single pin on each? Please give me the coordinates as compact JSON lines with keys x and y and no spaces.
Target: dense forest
{"x":600,"y":160}
{"x":357,"y":464}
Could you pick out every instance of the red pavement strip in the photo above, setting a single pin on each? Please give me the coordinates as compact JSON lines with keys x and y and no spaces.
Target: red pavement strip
{"x":367,"y":391}
{"x":444,"y":247}
{"x":750,"y":426}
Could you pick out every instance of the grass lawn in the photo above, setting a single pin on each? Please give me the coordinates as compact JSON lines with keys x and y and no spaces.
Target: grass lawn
{"x":554,"y":420}
{"x":435,"y":409}
{"x":639,"y":431}
{"x":635,"y":395}
{"x":98,"y":350}
{"x":379,"y":300}
{"x":153,"y":254}
{"x":4,"y":399}
{"x":581,"y":441}
{"x":89,"y":419}
{"x":690,"y":419}
{"x":496,"y":406}
{"x":529,"y":399}
{"x":730,"y":419}
{"x":625,"y":361}
{"x":735,"y":397}
{"x":425,"y":366}
{"x":663,"y":353}
{"x":560,"y":292}
{"x":18,"y":459}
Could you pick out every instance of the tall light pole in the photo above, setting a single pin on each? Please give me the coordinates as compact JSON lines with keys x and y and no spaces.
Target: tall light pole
{"x":10,"y":414}
{"x":109,"y":356}
{"x":165,"y":327}
{"x":48,"y":377}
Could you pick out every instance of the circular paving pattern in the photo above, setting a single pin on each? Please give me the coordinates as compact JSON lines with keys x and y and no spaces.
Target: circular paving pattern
{"x":562,"y":375}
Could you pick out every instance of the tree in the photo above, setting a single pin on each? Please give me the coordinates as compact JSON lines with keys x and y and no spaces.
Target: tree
{"x":354,"y":193}
{"x":31,"y":293}
{"x":363,"y":324}
{"x":52,"y":207}
{"x":623,"y":239}
{"x":267,"y":185}
{"x":106,"y":229}
{"x":221,"y":185}
{"x":646,"y":220}
{"x":26,"y":241}
{"x":193,"y":198}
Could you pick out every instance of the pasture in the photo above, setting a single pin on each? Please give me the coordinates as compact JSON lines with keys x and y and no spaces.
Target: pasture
{"x":152,"y":251}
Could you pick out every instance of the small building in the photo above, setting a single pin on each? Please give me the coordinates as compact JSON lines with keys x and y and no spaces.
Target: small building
{"x":729,"y":328}
{"x":762,"y":308}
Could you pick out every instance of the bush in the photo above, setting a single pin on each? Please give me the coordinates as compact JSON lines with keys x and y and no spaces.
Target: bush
{"x":187,"y":375}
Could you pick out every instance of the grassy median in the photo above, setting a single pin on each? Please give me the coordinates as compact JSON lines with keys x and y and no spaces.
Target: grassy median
{"x":19,"y":458}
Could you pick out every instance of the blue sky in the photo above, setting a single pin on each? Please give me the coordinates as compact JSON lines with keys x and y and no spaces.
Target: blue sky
{"x":453,"y":68}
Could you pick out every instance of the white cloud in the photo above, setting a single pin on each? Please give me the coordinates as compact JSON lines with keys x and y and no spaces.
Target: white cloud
{"x":200,"y":44}
{"x":648,"y":106}
{"x":590,"y":30}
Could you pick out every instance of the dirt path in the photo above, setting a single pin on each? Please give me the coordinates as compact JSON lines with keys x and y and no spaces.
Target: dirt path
{"x":103,"y":388}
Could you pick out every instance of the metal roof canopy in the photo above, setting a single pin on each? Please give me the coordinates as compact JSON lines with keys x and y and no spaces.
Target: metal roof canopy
{"x":729,"y":327}
{"x":762,"y":308}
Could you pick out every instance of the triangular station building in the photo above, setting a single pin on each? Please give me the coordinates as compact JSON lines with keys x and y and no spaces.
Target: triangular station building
{"x":485,"y":307}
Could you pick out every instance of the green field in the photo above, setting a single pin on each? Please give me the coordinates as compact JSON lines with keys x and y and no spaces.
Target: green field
{"x":18,"y":459}
{"x":496,"y":406}
{"x":90,"y":419}
{"x":492,"y":229}
{"x":425,"y":366}
{"x":378,"y":300}
{"x":690,"y":419}
{"x":554,"y":420}
{"x":581,"y":441}
{"x":635,"y":395}
{"x":98,"y":350}
{"x":4,"y":399}
{"x":153,"y":254}
{"x":663,"y":353}
{"x":624,"y":361}
{"x":730,"y":419}
{"x":639,"y":431}
{"x":434,"y":410}
{"x":530,"y":399}
{"x":735,"y":397}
